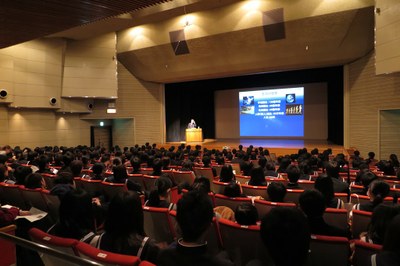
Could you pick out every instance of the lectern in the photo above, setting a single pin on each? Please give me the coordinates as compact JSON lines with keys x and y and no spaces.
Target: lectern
{"x":194,"y":135}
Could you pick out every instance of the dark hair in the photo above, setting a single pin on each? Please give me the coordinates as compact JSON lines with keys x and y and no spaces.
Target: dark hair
{"x":64,"y":178}
{"x":98,"y":168}
{"x":42,"y":162}
{"x":75,"y":215}
{"x":366,"y":178}
{"x":157,"y":167}
{"x":392,"y":237}
{"x":286,"y":227}
{"x":76,"y":167}
{"x":33,"y":181}
{"x":293,"y":173}
{"x":332,"y":169}
{"x":20,"y":174}
{"x":162,"y":185}
{"x":324,"y":184}
{"x":381,"y":217}
{"x":276,"y":192}
{"x":206,"y":161}
{"x":246,"y":214}
{"x":125,"y":215}
{"x":120,"y":174}
{"x":194,"y":214}
{"x":379,"y":190}
{"x":226,"y":174}
{"x":232,"y":190}
{"x":202,"y":183}
{"x":312,"y":203}
{"x":257,"y":177}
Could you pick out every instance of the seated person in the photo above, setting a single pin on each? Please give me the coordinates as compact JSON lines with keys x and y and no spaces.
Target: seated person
{"x":233,"y":190}
{"x":246,"y":214}
{"x":286,"y":227}
{"x":366,"y":178}
{"x":378,"y":191}
{"x":34,"y":181}
{"x":123,"y":229}
{"x":276,"y":192}
{"x":293,"y":174}
{"x":160,"y":196}
{"x":98,"y":170}
{"x":324,"y":184}
{"x":76,"y":218}
{"x":312,"y":203}
{"x":135,"y":163}
{"x":8,"y":215}
{"x":20,"y":174}
{"x":226,"y":174}
{"x":332,"y":170}
{"x":63,"y":183}
{"x":157,"y":167}
{"x":270,"y":170}
{"x":257,"y":177}
{"x":207,"y":164}
{"x":305,"y":170}
{"x":380,"y":220}
{"x":194,"y":216}
{"x":202,"y":183}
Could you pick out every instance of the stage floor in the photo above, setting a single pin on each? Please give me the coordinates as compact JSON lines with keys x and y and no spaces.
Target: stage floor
{"x":277,"y":146}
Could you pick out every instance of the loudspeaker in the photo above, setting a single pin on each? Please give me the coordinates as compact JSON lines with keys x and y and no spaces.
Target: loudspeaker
{"x":178,"y":42}
{"x":53,"y":101}
{"x":90,"y":106}
{"x":3,"y":94}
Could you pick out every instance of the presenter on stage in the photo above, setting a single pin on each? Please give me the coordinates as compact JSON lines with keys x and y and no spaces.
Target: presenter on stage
{"x":192,"y":124}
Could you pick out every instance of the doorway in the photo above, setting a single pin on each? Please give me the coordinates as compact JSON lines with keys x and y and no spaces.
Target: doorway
{"x":101,"y":136}
{"x":389,"y":133}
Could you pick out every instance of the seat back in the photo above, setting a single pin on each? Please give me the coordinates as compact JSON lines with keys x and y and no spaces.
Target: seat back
{"x":363,"y":252}
{"x":218,"y":187}
{"x":217,"y":168}
{"x":12,"y":195}
{"x":53,"y":203}
{"x":49,"y":178}
{"x":204,"y":171}
{"x":8,"y":251}
{"x":213,"y":237}
{"x":329,"y":250}
{"x":106,"y":258}
{"x":255,"y":191}
{"x":183,"y":177}
{"x":360,"y":222}
{"x":235,"y":168}
{"x":342,"y":196}
{"x":146,"y":171}
{"x":293,"y":195}
{"x":355,"y":198}
{"x":243,"y":243}
{"x":158,"y":225}
{"x":242,"y":179}
{"x":264,"y":207}
{"x":306,"y":184}
{"x":137,"y":178}
{"x":149,"y":182}
{"x":112,"y":189}
{"x":66,"y":245}
{"x":336,"y":217}
{"x":93,"y":187}
{"x":34,"y":198}
{"x":222,"y":200}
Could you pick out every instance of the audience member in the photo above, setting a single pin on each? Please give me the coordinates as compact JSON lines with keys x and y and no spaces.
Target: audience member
{"x":226,"y":174}
{"x":332,"y":170}
{"x":293,"y":174}
{"x":35,"y":180}
{"x":160,"y":195}
{"x":276,"y":192}
{"x":246,"y":214}
{"x":257,"y":177}
{"x":63,"y":184}
{"x":377,"y":192}
{"x":324,"y":184}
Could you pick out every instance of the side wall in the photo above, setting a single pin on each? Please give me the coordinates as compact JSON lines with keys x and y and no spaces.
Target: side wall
{"x":369,"y":93}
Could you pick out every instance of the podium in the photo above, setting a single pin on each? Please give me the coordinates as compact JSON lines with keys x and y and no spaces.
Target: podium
{"x":194,"y":135}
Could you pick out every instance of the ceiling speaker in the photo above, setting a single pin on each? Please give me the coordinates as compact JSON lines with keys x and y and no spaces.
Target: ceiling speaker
{"x":53,"y":101}
{"x":3,"y":94}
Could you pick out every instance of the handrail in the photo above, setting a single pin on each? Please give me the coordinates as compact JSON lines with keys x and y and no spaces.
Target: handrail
{"x":48,"y":250}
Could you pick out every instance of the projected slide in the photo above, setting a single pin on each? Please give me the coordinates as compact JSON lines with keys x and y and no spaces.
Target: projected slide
{"x":272,"y":113}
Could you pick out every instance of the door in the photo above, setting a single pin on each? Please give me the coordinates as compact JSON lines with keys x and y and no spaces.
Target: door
{"x":101,"y":136}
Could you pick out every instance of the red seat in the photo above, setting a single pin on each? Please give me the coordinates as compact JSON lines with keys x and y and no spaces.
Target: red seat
{"x":243,"y":243}
{"x":137,"y":178}
{"x":306,"y":184}
{"x":183,"y":177}
{"x":11,"y":194}
{"x":112,"y":189}
{"x":218,"y":187}
{"x":363,"y":252}
{"x":242,"y":179}
{"x":34,"y":198}
{"x":158,"y":225}
{"x":53,"y":203}
{"x":293,"y":195}
{"x":355,"y":198}
{"x":146,"y":171}
{"x":104,"y":257}
{"x":329,"y":250}
{"x":222,"y":200}
{"x":146,"y":263}
{"x":336,"y":217}
{"x":342,"y":196}
{"x":92,"y":187}
{"x":264,"y":207}
{"x":204,"y":171}
{"x":66,"y":245}
{"x":249,"y":190}
{"x":149,"y":182}
{"x":360,"y":222}
{"x":49,"y":178}
{"x":8,"y":253}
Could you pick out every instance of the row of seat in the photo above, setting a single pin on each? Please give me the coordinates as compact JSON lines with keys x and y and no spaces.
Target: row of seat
{"x":81,"y":249}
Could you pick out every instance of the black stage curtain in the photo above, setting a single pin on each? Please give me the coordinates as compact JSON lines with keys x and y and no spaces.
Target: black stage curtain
{"x":195,"y":99}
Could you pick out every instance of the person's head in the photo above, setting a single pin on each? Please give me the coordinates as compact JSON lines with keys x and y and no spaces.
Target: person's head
{"x":98,"y":169}
{"x":226,"y":174}
{"x":257,"y":177}
{"x":67,"y":158}
{"x":206,"y":161}
{"x":366,"y":178}
{"x":20,"y":174}
{"x":293,"y":173}
{"x":125,"y":215}
{"x":276,"y":192}
{"x":378,"y":190}
{"x":157,"y":166}
{"x":135,"y":163}
{"x":75,"y":213}
{"x":262,"y":162}
{"x":120,"y":174}
{"x":312,"y":203}
{"x":194,"y":215}
{"x":284,"y":163}
{"x":232,"y":190}
{"x":35,"y":180}
{"x":305,"y":167}
{"x":246,"y":214}
{"x":76,"y":167}
{"x":270,"y":166}
{"x":42,"y":162}
{"x":324,"y":184}
{"x":381,"y":217}
{"x":371,"y":155}
{"x":288,"y":228}
{"x":202,"y":183}
{"x":161,"y":191}
{"x":332,"y":169}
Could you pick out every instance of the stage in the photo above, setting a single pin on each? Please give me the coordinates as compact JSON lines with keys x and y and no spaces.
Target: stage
{"x":277,"y":146}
